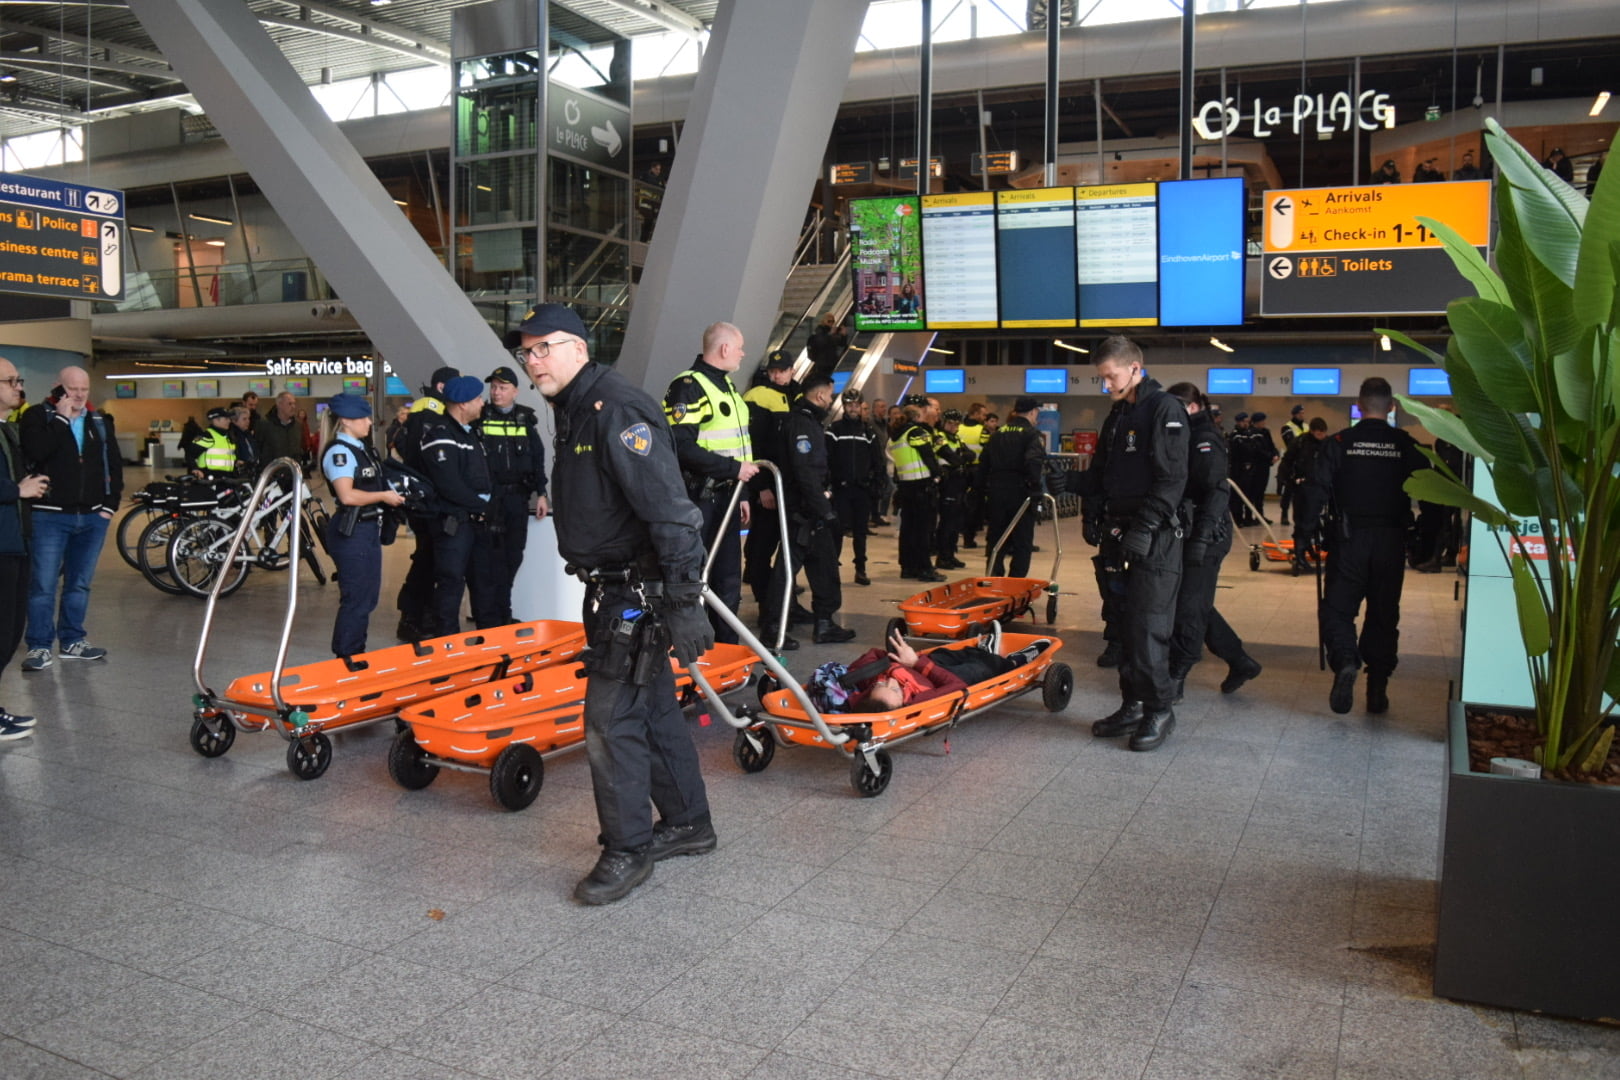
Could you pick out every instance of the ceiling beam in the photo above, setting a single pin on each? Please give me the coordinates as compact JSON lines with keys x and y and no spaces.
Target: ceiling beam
{"x":417,"y":51}
{"x":11,"y":26}
{"x":418,"y":44}
{"x":659,"y":13}
{"x":74,"y":67}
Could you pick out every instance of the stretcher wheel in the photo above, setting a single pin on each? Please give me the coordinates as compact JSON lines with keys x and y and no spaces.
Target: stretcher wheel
{"x":868,"y":784}
{"x":1051,"y":609}
{"x":1056,"y":687}
{"x":893,"y":625}
{"x":517,"y":775}
{"x":309,"y":755}
{"x":408,"y":765}
{"x":1254,"y":559}
{"x":208,"y":742}
{"x":766,"y":686}
{"x":751,"y":758}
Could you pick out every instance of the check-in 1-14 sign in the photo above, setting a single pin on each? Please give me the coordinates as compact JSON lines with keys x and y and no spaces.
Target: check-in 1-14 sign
{"x":60,"y":239}
{"x":1362,"y":251}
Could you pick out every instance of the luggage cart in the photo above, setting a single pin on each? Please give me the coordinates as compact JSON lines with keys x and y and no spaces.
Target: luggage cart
{"x":509,"y":728}
{"x":971,"y":607}
{"x":302,"y":703}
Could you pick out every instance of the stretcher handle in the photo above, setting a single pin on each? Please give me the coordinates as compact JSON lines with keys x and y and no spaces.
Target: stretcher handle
{"x":784,"y":552}
{"x":248,"y":522}
{"x":783,"y":676}
{"x":1057,"y":536}
{"x":1256,"y":512}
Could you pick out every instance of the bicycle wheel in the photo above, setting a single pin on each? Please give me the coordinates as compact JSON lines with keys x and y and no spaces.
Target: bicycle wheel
{"x":130,"y":527}
{"x":311,"y":556}
{"x":197,"y":555}
{"x":152,"y":552}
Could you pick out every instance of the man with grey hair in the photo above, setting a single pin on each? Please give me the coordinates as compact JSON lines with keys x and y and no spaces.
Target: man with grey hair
{"x":280,"y":434}
{"x":15,"y":491}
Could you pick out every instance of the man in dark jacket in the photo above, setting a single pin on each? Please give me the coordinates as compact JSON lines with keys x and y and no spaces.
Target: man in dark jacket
{"x":517,"y":467}
{"x":416,"y":593}
{"x":856,"y":464}
{"x":15,"y":489}
{"x":1011,"y":469}
{"x":452,"y":457}
{"x":280,"y":434}
{"x":826,"y":345}
{"x":75,"y":447}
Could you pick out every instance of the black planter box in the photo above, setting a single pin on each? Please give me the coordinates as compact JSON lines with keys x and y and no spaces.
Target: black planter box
{"x":1529,"y":880}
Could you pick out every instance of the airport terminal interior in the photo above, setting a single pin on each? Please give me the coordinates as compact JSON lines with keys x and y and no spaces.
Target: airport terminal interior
{"x":337,"y":198}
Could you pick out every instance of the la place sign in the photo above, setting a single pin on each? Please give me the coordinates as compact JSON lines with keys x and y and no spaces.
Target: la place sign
{"x":1369,"y":111}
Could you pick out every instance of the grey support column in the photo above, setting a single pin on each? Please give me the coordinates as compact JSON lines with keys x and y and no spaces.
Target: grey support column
{"x":402,"y":296}
{"x":764,"y":104}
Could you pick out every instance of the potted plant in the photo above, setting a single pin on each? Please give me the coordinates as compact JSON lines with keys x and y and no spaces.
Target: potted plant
{"x":1528,"y":872}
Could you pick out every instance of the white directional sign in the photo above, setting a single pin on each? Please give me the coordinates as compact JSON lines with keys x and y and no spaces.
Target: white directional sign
{"x":587,"y":127}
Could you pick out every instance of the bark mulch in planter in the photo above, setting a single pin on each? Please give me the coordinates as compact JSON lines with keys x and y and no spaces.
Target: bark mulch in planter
{"x":1495,"y":733}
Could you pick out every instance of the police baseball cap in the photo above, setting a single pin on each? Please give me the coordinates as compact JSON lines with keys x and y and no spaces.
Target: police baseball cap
{"x":951,"y":414}
{"x":1241,"y":416}
{"x":1257,"y":418}
{"x":349,"y":406}
{"x":503,"y":374}
{"x":462,"y":388}
{"x":546,"y":318}
{"x":779,"y":360}
{"x":1024,"y":404}
{"x":919,"y":400}
{"x":219,"y":412}
{"x":1296,"y":410}
{"x":443,"y":375}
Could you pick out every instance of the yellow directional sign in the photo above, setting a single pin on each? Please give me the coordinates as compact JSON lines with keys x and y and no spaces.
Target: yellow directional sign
{"x":1377,"y":217}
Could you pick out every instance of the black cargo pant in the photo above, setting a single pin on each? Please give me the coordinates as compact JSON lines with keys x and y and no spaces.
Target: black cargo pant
{"x":1367,"y":564}
{"x":1149,"y":612}
{"x":725,"y":573}
{"x":640,"y":750}
{"x":854,"y":506}
{"x":507,"y":540}
{"x":919,"y":510}
{"x":814,"y":547}
{"x":1197,"y":622}
{"x":764,"y":535}
{"x":952,"y":513}
{"x":1015,"y":553}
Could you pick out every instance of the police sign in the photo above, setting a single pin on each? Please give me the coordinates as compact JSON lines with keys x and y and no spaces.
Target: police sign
{"x":60,"y":239}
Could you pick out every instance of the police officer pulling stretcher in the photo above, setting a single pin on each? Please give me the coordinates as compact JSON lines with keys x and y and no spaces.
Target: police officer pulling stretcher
{"x":354,"y":534}
{"x":628,"y":530}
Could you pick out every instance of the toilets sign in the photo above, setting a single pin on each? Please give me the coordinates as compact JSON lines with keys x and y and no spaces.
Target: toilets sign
{"x":60,"y":239}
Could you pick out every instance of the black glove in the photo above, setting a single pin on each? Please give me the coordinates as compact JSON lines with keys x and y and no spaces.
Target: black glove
{"x":690,"y":635}
{"x":830,"y":523}
{"x":1137,"y":541}
{"x":1193,"y":552}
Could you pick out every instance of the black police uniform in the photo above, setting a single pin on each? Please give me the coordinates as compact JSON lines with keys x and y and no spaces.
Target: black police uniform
{"x":621,"y":507}
{"x":517,"y":468}
{"x":1309,"y":497}
{"x":1140,"y":469}
{"x":354,"y":540}
{"x":1011,"y":469}
{"x":812,"y":522}
{"x":1198,"y":623}
{"x":415,"y":598}
{"x":856,"y":463}
{"x":1362,"y":469}
{"x":454,"y":463}
{"x":918,"y":499}
{"x":710,"y":477}
{"x":768,"y":406}
{"x":956,"y":466}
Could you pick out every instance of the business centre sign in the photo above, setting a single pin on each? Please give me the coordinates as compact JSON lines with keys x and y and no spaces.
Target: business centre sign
{"x":1368,"y":111}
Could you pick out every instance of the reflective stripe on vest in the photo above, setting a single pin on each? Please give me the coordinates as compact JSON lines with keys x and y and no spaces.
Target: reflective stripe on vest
{"x":908,"y":461}
{"x":504,"y":429}
{"x":769,"y":398}
{"x":219,"y":455}
{"x":719,"y":433}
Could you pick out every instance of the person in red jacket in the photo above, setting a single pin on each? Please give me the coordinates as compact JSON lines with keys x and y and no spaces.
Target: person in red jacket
{"x":911,"y":677}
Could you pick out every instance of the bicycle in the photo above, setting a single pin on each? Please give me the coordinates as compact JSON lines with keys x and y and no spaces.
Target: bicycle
{"x":196,"y":548}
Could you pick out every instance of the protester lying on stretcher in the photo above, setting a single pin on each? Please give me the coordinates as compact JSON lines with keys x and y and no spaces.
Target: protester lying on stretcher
{"x":901,"y":676}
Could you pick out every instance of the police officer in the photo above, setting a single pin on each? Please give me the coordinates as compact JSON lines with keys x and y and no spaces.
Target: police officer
{"x":354,"y":534}
{"x":1209,"y":538}
{"x":517,"y":467}
{"x":453,"y":459}
{"x":1243,"y":457}
{"x":916,"y":481}
{"x":769,"y":400}
{"x":812,"y":521}
{"x":1362,"y":470}
{"x":1011,"y":469}
{"x":709,"y":421}
{"x":416,"y":592}
{"x":956,"y":466}
{"x":1141,"y":471}
{"x":212,"y":454}
{"x":1307,"y":498}
{"x":855,"y":463}
{"x":974,"y":437}
{"x":626,"y":526}
{"x":1291,"y":433}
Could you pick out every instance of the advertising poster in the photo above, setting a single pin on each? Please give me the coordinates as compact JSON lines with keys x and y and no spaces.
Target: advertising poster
{"x":1035,"y":254}
{"x":885,"y":237}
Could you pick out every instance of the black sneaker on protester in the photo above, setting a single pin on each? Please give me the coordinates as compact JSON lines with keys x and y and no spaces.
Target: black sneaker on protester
{"x":1029,"y":652}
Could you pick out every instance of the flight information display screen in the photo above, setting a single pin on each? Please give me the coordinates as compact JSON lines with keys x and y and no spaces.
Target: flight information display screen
{"x":945,"y":381}
{"x":1201,"y":252}
{"x":1321,"y":381}
{"x":1231,"y":380}
{"x":1428,"y":382}
{"x":885,"y":237}
{"x":1046,"y":380}
{"x":959,"y":260}
{"x":1035,"y":254}
{"x":1117,"y":241}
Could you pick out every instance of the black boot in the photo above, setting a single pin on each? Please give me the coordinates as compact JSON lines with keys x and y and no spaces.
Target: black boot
{"x":695,"y":839}
{"x":1239,"y":673}
{"x":1343,"y":694}
{"x":767,"y":635}
{"x":1156,"y":727}
{"x":860,"y":576}
{"x":799,"y":615}
{"x":1377,"y":693}
{"x":407,"y":630}
{"x":1178,"y":688}
{"x":1122,"y":721}
{"x":615,"y":874}
{"x":830,"y":633}
{"x":1111,"y":655}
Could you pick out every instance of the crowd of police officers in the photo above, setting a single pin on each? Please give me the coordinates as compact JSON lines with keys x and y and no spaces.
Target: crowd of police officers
{"x":645,"y":489}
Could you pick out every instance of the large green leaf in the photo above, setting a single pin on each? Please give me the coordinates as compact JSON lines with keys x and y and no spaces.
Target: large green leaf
{"x":1491,"y":339}
{"x":1550,"y":211}
{"x":1493,"y":426}
{"x":1533,"y":625}
{"x":1516,"y":488}
{"x":1430,"y":486}
{"x":1397,"y":336}
{"x":1574,"y":376}
{"x":1544,"y":303}
{"x":1596,"y":294}
{"x":1611,"y":685}
{"x":1469,"y":262}
{"x":1445,"y":425}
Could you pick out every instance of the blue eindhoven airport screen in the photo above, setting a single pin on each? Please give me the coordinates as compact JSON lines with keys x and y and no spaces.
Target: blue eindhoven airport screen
{"x":1428,"y":382}
{"x":945,"y":381}
{"x":1231,"y":380}
{"x":1201,"y":252}
{"x":1046,"y":381}
{"x":1323,"y":382}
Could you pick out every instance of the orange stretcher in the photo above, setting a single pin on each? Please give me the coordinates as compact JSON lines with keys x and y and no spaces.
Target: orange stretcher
{"x":972,"y":607}
{"x":508,"y":728}
{"x":789,"y":718}
{"x":1283,"y":551}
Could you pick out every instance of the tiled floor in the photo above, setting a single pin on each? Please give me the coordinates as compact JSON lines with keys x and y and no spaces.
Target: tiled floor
{"x":1254,"y":900}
